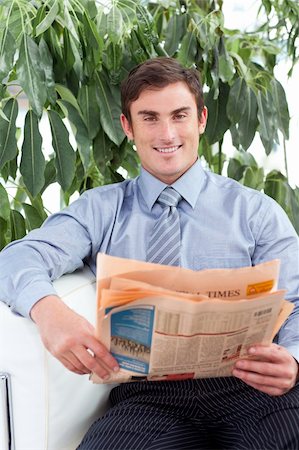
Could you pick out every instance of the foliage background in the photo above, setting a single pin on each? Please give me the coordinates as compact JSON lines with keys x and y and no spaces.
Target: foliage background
{"x":69,"y":57}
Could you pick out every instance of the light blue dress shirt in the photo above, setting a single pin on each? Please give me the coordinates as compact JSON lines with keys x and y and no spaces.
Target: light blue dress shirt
{"x":223,"y":224}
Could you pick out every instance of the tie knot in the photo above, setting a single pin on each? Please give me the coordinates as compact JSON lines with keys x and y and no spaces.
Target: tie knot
{"x":169,"y":197}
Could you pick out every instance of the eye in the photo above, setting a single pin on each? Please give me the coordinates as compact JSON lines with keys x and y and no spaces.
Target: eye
{"x":149,"y":118}
{"x":180,"y":116}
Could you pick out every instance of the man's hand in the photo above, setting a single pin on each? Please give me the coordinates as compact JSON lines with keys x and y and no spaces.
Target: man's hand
{"x":270,"y":369}
{"x":70,"y":338}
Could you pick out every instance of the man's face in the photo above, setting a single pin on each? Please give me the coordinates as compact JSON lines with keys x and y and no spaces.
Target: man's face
{"x":165,"y":128}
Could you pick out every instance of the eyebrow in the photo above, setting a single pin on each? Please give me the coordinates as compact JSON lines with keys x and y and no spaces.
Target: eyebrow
{"x":147,"y":112}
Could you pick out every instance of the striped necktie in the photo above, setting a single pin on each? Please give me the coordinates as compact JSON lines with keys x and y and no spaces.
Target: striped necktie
{"x":164,"y":245}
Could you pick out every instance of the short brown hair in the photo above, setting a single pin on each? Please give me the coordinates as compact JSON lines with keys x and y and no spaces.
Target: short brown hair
{"x":158,"y":73}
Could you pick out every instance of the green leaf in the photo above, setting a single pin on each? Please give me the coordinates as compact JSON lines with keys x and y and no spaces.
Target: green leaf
{"x":67,"y":95}
{"x":176,"y":28}
{"x":113,"y":58}
{"x":49,"y":19}
{"x":79,"y":129}
{"x":267,"y":5}
{"x":32,"y":162}
{"x":65,"y":155}
{"x":102,"y":151}
{"x":37,"y":203}
{"x":69,"y":57}
{"x":110,"y":111}
{"x":266,"y":122}
{"x":33,"y":218}
{"x":3,"y":116}
{"x":254,"y":178}
{"x":281,"y":115}
{"x":114,"y":25}
{"x":246,"y":158}
{"x":277,"y":188}
{"x":226,"y":68}
{"x":46,"y":63}
{"x":17,"y":225}
{"x":131,"y":161}
{"x":50,"y":174}
{"x":92,"y":34}
{"x":3,"y":233}
{"x":218,"y":122}
{"x":235,"y":169}
{"x":7,"y":51}
{"x":10,"y":168}
{"x":294,"y":207}
{"x":242,"y":111}
{"x":19,"y":197}
{"x":30,"y":74}
{"x":4,"y":204}
{"x":188,"y":49}
{"x":89,"y":106}
{"x":137,"y":50}
{"x":146,"y":32}
{"x":8,"y":141}
{"x":248,"y":121}
{"x":236,"y":100}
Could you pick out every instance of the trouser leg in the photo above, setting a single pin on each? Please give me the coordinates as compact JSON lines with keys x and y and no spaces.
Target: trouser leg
{"x":149,"y":416}
{"x":139,"y":427}
{"x":278,"y":430}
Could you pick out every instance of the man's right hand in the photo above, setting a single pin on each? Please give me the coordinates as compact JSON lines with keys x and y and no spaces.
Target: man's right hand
{"x":70,"y":338}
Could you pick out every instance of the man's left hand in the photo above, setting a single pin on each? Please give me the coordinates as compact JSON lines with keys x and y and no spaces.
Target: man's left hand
{"x":270,"y":369}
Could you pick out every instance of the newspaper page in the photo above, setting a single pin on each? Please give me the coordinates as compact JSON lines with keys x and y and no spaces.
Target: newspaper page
{"x":163,"y":322}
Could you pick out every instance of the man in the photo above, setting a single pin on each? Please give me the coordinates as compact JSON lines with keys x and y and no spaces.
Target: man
{"x":221,"y":224}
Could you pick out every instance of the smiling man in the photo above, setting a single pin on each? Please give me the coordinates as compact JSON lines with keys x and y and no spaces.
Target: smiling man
{"x":174,"y":213}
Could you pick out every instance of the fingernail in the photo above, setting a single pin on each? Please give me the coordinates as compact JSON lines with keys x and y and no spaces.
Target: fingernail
{"x":115,"y":369}
{"x":252,"y":350}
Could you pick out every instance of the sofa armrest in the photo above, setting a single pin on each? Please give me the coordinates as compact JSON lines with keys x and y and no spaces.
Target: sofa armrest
{"x":52,"y":408}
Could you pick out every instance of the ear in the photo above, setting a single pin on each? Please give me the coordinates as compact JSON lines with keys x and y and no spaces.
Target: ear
{"x":126,"y":126}
{"x":203,"y":120}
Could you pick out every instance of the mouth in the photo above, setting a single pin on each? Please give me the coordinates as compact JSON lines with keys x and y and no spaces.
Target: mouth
{"x":172,"y":149}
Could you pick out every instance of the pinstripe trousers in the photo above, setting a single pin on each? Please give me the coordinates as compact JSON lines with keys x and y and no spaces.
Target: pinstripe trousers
{"x":213,"y":413}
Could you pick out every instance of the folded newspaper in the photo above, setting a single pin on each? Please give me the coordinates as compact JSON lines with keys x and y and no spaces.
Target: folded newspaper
{"x":165,"y":323}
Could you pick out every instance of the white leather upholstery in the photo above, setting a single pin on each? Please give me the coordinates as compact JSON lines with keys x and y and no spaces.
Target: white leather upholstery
{"x":52,"y":408}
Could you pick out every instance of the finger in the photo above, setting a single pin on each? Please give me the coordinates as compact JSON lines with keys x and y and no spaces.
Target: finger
{"x":93,"y":363}
{"x":101,"y":353}
{"x":251,"y":377}
{"x":72,"y":358}
{"x":270,"y":390}
{"x":70,"y":366}
{"x":262,"y":380}
{"x":261,"y":367}
{"x":272,"y":353}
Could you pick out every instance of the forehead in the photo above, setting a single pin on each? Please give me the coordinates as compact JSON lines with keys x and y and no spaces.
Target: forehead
{"x":168,"y":98}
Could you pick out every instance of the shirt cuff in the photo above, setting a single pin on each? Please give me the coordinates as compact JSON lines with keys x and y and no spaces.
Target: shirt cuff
{"x":31,"y":295}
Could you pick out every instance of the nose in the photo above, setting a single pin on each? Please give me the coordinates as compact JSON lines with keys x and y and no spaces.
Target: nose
{"x":167,"y":131}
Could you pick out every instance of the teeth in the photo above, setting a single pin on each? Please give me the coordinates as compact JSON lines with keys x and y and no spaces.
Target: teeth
{"x":167,"y":150}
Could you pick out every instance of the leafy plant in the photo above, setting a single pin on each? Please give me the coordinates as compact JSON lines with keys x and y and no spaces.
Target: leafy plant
{"x":69,"y":57}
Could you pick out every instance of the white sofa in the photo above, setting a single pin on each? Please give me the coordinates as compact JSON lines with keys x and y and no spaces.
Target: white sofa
{"x":43,"y":406}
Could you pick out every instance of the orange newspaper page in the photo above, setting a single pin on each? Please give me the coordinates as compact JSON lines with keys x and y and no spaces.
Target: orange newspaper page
{"x":244,"y":282}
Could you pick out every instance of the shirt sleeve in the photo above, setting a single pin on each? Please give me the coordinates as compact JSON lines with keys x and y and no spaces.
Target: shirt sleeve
{"x":276,"y":238}
{"x":28,"y":266}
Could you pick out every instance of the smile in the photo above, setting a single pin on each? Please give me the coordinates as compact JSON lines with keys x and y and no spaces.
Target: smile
{"x":167,"y":149}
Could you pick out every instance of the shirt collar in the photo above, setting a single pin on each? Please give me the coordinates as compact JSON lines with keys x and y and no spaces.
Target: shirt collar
{"x":188,"y":185}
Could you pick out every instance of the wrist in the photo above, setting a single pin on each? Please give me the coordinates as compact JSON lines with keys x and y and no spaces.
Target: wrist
{"x":43,"y":306}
